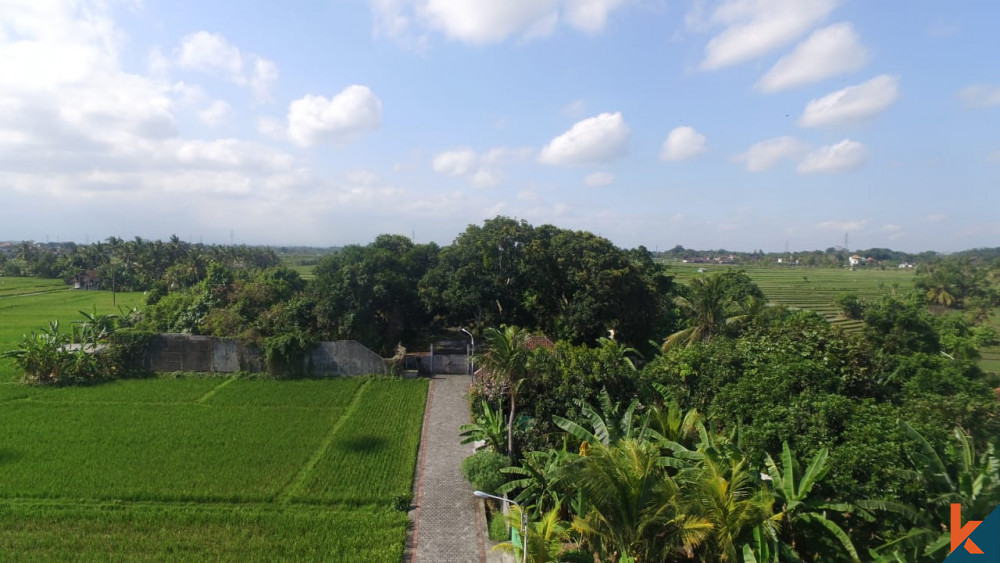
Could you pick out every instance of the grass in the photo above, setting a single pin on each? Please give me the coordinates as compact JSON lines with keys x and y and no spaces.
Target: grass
{"x":23,"y":309}
{"x":203,"y":468}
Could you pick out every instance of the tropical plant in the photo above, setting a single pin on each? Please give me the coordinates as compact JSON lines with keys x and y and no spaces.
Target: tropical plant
{"x":802,"y":513}
{"x":506,"y":360}
{"x":711,"y":305}
{"x":489,"y":427}
{"x":636,"y":510}
{"x":546,"y":539}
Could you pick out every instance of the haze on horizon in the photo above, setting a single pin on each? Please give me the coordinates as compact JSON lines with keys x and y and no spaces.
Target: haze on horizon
{"x":737,"y":124}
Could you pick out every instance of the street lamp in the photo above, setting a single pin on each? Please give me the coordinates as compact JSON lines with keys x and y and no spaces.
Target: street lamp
{"x":472,"y":365}
{"x":524,"y":519}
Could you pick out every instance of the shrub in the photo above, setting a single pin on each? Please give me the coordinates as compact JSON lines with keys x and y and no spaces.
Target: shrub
{"x":482,"y":469}
{"x":498,"y":527}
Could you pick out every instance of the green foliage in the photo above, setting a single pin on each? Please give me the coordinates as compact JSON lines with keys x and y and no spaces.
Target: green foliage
{"x":851,"y":306}
{"x":126,"y":354}
{"x":498,"y":528}
{"x":369,"y":293}
{"x":489,"y":427}
{"x":570,"y":285}
{"x":482,"y":469}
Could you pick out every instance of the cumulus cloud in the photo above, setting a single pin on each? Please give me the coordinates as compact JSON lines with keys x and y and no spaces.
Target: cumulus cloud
{"x":480,"y":170}
{"x":980,"y":95}
{"x":315,"y":119}
{"x":212,"y":53}
{"x":767,"y":154}
{"x":849,"y":226}
{"x":594,"y":140}
{"x":215,"y":113}
{"x":486,"y":21}
{"x":599,"y":179}
{"x":852,"y":104}
{"x":840,"y":157}
{"x":756,"y":27}
{"x":828,"y":52}
{"x":683,"y":143}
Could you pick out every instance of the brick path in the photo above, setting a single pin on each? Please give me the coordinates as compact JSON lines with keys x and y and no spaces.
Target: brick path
{"x":446,"y":527}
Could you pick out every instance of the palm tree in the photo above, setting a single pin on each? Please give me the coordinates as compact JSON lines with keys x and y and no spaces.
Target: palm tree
{"x":709,"y":308}
{"x":940,"y":288}
{"x":726,"y":493}
{"x":506,"y":360}
{"x":636,"y":510}
{"x":546,"y":538}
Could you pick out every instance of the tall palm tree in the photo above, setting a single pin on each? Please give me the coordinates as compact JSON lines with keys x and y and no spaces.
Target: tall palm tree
{"x":709,"y":308}
{"x":506,"y":360}
{"x":636,"y":510}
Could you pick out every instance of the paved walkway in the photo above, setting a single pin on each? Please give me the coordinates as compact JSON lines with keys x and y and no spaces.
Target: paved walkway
{"x":446,"y":520}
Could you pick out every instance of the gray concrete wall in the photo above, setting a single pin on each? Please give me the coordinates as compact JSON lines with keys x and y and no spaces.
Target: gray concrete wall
{"x":344,"y":357}
{"x":186,"y":352}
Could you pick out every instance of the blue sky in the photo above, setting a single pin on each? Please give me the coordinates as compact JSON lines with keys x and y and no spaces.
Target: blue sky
{"x":742,"y":124}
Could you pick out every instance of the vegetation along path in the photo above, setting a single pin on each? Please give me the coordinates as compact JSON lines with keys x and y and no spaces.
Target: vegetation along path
{"x":445,"y":528}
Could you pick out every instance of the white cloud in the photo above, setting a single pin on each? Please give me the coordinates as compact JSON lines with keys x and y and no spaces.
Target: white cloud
{"x":852,"y":104}
{"x":215,"y":113}
{"x":486,"y":21}
{"x":265,"y":74}
{"x":766,"y":154}
{"x":848,"y":226}
{"x":828,"y":52}
{"x":590,"y":15}
{"x":212,"y":53}
{"x":593,"y":140}
{"x":362,"y":177}
{"x":980,"y":95}
{"x":756,"y":27}
{"x":314,"y":119}
{"x":456,"y":162}
{"x":480,"y":170}
{"x":840,"y":157}
{"x":683,"y":143}
{"x":599,"y":179}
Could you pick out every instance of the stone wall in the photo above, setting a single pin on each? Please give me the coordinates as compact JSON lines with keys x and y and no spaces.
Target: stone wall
{"x":186,"y":352}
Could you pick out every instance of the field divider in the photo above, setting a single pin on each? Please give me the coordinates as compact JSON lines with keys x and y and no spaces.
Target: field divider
{"x":211,"y":393}
{"x":285,"y":496}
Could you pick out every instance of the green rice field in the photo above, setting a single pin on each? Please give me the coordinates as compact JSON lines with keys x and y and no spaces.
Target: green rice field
{"x":209,"y":468}
{"x":27,"y":304}
{"x":813,"y":289}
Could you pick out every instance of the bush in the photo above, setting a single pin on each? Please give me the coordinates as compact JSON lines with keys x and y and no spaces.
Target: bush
{"x":498,"y":527}
{"x":482,"y":469}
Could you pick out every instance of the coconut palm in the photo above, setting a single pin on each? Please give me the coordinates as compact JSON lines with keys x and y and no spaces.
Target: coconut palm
{"x":546,"y":538}
{"x":506,"y":360}
{"x":636,"y":510}
{"x":709,"y":308}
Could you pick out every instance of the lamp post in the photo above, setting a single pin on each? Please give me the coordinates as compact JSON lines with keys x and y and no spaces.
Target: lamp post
{"x":472,"y":365}
{"x":524,"y":520}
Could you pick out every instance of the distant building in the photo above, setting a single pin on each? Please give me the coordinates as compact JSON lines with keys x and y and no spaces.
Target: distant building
{"x":905,"y":265}
{"x":855,"y":260}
